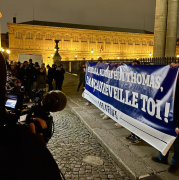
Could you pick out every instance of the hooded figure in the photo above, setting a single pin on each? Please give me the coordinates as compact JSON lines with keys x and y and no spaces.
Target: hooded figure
{"x":23,"y":154}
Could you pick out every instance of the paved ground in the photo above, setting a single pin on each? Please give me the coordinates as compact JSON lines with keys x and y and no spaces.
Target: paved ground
{"x":135,"y":160}
{"x":77,"y":152}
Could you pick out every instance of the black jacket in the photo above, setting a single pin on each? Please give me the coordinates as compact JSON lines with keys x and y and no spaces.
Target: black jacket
{"x":21,"y":73}
{"x":35,"y":73}
{"x":24,"y":156}
{"x":176,"y":105}
{"x":59,"y":76}
{"x":51,"y":74}
{"x":63,"y":72}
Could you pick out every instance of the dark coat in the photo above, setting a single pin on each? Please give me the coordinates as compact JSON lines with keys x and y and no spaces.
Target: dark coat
{"x":24,"y":156}
{"x":63,"y":72}
{"x":51,"y":74}
{"x":59,"y":76}
{"x":35,"y":73}
{"x":21,"y":74}
{"x":81,"y":74}
{"x":84,"y":79}
{"x":176,"y":105}
{"x":14,"y":73}
{"x":41,"y":79}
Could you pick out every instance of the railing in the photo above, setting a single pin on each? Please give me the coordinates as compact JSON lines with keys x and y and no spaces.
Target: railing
{"x":73,"y":66}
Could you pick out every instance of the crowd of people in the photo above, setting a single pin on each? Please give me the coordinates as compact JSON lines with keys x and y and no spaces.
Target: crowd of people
{"x":34,"y":76}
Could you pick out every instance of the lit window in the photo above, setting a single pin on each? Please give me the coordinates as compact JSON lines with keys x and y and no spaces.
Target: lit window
{"x":38,"y":36}
{"x":75,"y":39}
{"x":29,"y":35}
{"x":18,"y":35}
{"x":123,"y":41}
{"x":67,"y":38}
{"x":92,"y":40}
{"x":137,"y":42}
{"x":100,"y":40}
{"x":144,"y":42}
{"x":48,"y":37}
{"x":58,"y":37}
{"x":130,"y":42}
{"x":83,"y":39}
{"x":108,"y":41}
{"x":115,"y":41}
{"x":150,"y":43}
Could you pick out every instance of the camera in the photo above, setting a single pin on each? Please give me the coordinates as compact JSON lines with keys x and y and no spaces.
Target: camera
{"x":42,"y":105}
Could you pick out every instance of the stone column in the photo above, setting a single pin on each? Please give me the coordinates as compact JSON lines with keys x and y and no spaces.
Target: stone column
{"x":172,"y":22}
{"x":160,"y":28}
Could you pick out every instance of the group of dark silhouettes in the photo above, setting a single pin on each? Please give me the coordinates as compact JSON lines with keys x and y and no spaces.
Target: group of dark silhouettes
{"x":33,"y":76}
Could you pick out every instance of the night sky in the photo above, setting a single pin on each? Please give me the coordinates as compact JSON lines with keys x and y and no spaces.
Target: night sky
{"x":135,"y":14}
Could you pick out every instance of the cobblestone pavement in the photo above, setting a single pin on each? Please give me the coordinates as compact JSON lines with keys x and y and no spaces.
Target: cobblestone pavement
{"x":77,"y":152}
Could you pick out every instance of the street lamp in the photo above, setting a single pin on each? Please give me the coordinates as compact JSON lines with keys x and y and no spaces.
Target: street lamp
{"x":55,"y":49}
{"x":2,"y":49}
{"x":177,"y":56}
{"x":150,"y":54}
{"x":118,"y":57}
{"x":8,"y":52}
{"x":137,"y":58}
{"x":97,"y":57}
{"x":52,"y":55}
{"x":92,"y":51}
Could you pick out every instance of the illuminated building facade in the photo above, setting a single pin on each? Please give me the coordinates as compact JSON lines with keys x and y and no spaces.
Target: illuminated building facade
{"x":78,"y":42}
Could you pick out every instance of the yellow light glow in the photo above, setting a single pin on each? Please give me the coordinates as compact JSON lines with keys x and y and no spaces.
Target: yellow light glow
{"x":8,"y":51}
{"x":52,"y":55}
{"x":177,"y":56}
{"x":150,"y":54}
{"x":137,"y":58}
{"x":118,"y":57}
{"x":92,"y":51}
{"x":76,"y":56}
{"x":55,"y":49}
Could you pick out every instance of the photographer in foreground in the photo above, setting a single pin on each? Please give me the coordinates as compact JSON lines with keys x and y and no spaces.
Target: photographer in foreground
{"x":23,"y":154}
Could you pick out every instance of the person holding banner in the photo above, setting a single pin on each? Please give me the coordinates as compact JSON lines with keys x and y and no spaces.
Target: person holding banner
{"x":135,"y":139}
{"x":174,"y":164}
{"x":88,"y":102}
